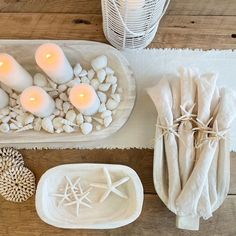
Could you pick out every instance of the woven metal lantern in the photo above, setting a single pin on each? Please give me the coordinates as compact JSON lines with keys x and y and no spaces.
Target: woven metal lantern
{"x":132,"y":23}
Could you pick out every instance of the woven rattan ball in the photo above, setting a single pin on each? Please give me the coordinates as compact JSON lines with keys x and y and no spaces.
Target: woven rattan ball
{"x":17,"y":184}
{"x":9,"y":157}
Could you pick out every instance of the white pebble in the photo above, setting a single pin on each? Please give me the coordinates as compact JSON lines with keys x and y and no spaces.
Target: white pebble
{"x":66,"y":106}
{"x":13,"y":126}
{"x":71,"y":116}
{"x":63,"y":97}
{"x":98,"y":120}
{"x":62,"y":88}
{"x":77,"y":69}
{"x":28,"y":119}
{"x":112,"y":104}
{"x":106,"y":113}
{"x":88,"y":119}
{"x":83,"y":73}
{"x":101,"y":74}
{"x":20,"y":119}
{"x":73,"y":82}
{"x":111,"y":79}
{"x":5,"y":119}
{"x":5,"y":111}
{"x":102,"y":107}
{"x":56,"y":112}
{"x":59,"y":103}
{"x":86,"y":128}
{"x":113,"y":88}
{"x":116,"y":97}
{"x":62,"y":113}
{"x":13,"y":114}
{"x":57,"y":122}
{"x":79,"y":119}
{"x":68,"y":129}
{"x":52,"y":84}
{"x":47,"y":125}
{"x":99,"y":62}
{"x":109,"y":71}
{"x":104,"y":87}
{"x":85,"y":80}
{"x":102,"y":96}
{"x":4,"y":128}
{"x":58,"y":131}
{"x":40,"y":80}
{"x":53,"y":94}
{"x":107,"y":121}
{"x":91,"y":74}
{"x":37,"y":124}
{"x":95,"y":83}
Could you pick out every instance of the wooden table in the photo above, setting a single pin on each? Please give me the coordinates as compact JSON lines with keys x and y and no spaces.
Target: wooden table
{"x":188,"y":23}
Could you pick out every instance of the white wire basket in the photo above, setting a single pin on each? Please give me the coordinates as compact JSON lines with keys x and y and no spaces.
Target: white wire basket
{"x":132,"y":24}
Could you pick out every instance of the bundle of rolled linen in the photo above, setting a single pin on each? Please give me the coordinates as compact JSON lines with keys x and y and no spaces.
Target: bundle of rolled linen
{"x":191,"y":152}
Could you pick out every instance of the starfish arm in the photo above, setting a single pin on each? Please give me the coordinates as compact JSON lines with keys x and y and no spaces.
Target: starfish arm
{"x":85,"y":195}
{"x":119,"y":182}
{"x":85,"y":204}
{"x":57,"y":195}
{"x":104,"y":196}
{"x":119,"y":193}
{"x":89,"y":200}
{"x":97,"y":185}
{"x":80,"y":188}
{"x":108,"y":177}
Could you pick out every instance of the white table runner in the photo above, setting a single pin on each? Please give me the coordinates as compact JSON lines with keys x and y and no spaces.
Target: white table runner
{"x":149,"y":66}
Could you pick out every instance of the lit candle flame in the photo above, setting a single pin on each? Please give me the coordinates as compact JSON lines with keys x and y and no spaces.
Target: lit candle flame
{"x":1,"y":63}
{"x":48,"y":55}
{"x":81,"y":95}
{"x":32,"y":99}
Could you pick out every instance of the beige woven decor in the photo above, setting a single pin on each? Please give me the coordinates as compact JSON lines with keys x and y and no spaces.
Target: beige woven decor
{"x":10,"y":157}
{"x":17,"y":184}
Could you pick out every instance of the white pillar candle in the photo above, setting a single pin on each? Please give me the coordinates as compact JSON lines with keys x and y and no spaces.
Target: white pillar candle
{"x":85,"y":99}
{"x":52,"y":60}
{"x":13,"y":74}
{"x":36,"y":101}
{"x":4,"y":99}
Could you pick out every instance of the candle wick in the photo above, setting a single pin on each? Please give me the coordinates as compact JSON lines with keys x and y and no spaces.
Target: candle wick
{"x":32,"y":99}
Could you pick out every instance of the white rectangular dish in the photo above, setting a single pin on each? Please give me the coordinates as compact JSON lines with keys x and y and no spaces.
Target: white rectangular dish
{"x":77,"y":52}
{"x":113,"y":212}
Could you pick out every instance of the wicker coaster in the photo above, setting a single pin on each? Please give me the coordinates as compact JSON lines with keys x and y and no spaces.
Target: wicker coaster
{"x":10,"y":157}
{"x":17,"y":184}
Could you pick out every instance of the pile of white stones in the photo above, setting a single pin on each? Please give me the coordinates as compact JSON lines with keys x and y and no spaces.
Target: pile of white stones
{"x":66,"y":118}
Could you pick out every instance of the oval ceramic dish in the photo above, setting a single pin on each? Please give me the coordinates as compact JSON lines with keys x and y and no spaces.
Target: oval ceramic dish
{"x":113,"y":212}
{"x":76,"y":51}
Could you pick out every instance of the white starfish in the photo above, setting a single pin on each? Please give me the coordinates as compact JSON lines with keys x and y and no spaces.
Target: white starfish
{"x":110,"y":187}
{"x":79,"y":190}
{"x":78,"y":200}
{"x":65,"y":195}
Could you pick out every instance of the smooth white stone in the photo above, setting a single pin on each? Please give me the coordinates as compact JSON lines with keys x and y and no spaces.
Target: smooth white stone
{"x":104,"y":87}
{"x":101,"y":75}
{"x":71,"y":115}
{"x":86,"y":128}
{"x":102,"y":96}
{"x":112,"y":104}
{"x":79,"y":119}
{"x":77,"y":69}
{"x":91,"y":74}
{"x":111,"y":79}
{"x":106,"y":113}
{"x":116,"y":97}
{"x":95,"y":83}
{"x":107,"y":121}
{"x":99,"y":62}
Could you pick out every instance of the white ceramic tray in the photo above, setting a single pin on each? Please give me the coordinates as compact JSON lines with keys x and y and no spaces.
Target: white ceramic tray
{"x":82,"y":52}
{"x":112,"y":213}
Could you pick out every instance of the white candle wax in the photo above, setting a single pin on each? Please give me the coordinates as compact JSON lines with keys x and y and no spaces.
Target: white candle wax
{"x":85,"y":99}
{"x":13,"y":74}
{"x":36,"y":101}
{"x":52,"y":60}
{"x":4,"y":99}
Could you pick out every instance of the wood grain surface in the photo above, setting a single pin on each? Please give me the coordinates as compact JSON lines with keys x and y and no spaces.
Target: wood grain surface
{"x":187,"y":24}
